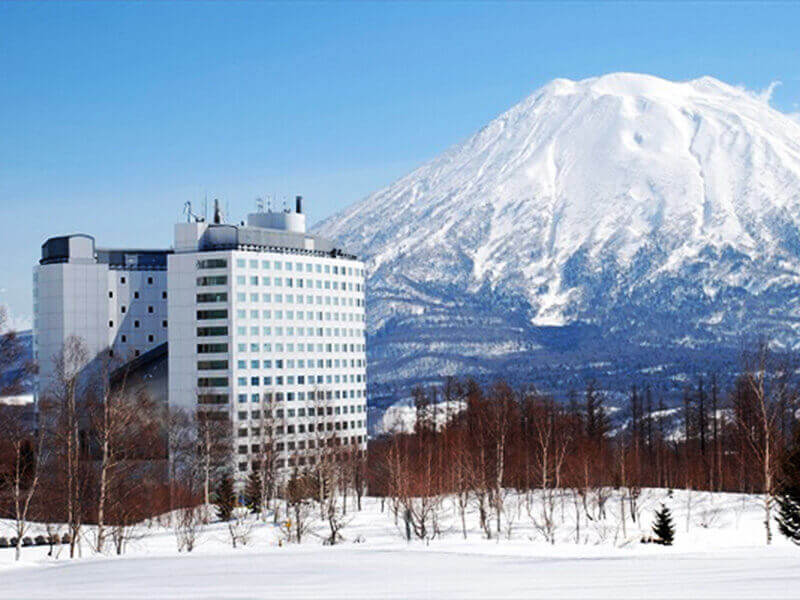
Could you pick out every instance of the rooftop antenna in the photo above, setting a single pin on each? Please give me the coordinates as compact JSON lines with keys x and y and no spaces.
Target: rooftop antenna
{"x":227,"y":209}
{"x":205,"y":207}
{"x":269,"y":203}
{"x":187,"y":208}
{"x":217,"y":212}
{"x":259,"y":204}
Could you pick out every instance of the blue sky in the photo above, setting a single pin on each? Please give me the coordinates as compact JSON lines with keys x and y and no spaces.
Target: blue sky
{"x":114,"y":115}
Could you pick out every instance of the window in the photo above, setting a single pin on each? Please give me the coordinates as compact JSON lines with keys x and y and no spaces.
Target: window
{"x":150,"y":338}
{"x":122,"y":309}
{"x":212,"y":263}
{"x":135,"y":294}
{"x":212,"y":280}
{"x":212,"y":314}
{"x":124,"y":338}
{"x":218,"y":297}
{"x":110,"y":294}
{"x":212,"y":365}
{"x":111,"y":323}
{"x":163,"y":323}
{"x":122,"y":280}
{"x":212,"y":382}
{"x":149,"y":281}
{"x":136,"y":324}
{"x":164,"y":295}
{"x":211,"y":348}
{"x":150,"y":309}
{"x":210,"y":331}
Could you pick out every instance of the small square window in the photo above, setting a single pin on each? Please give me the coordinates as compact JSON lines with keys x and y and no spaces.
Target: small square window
{"x":149,"y":281}
{"x":122,"y":309}
{"x":150,"y":338}
{"x":135,"y":294}
{"x":164,"y":295}
{"x":136,"y":353}
{"x":163,"y":323}
{"x":110,"y":294}
{"x":136,"y":323}
{"x":150,"y":309}
{"x":122,"y":280}
{"x":111,"y":323}
{"x":124,"y":338}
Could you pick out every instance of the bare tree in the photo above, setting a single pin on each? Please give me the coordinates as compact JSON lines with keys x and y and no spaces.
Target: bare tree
{"x":122,"y":424}
{"x":23,"y":449}
{"x":188,"y":524}
{"x":756,"y":409}
{"x":61,"y":410}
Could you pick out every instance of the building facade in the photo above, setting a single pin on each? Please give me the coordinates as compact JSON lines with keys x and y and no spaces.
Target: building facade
{"x":267,"y":325}
{"x":115,"y":301}
{"x":264,"y":325}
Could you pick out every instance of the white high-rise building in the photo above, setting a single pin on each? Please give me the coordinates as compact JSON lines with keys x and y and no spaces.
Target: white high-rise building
{"x":267,"y":312}
{"x":115,"y":301}
{"x":253,"y":315}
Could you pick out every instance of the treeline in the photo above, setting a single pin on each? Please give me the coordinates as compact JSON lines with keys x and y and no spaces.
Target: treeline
{"x":100,"y":452}
{"x":476,"y":443}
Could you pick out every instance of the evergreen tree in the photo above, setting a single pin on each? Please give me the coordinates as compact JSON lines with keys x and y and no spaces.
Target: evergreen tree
{"x":663,"y":527}
{"x":252,"y":492}
{"x":789,"y":493}
{"x":225,"y":499}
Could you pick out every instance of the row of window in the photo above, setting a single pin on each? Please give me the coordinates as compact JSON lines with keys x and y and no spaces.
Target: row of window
{"x":301,"y":428}
{"x":304,"y":411}
{"x":280,"y":363}
{"x":291,"y":331}
{"x":255,"y":298}
{"x":291,"y":315}
{"x":241,"y":280}
{"x":289,"y":282}
{"x":269,"y":398}
{"x":299,"y":347}
{"x":313,"y":395}
{"x":136,"y":294}
{"x":137,"y":324}
{"x":299,"y":363}
{"x":327,"y":332}
{"x":257,"y":380}
{"x":298,"y":267}
{"x":123,"y":281}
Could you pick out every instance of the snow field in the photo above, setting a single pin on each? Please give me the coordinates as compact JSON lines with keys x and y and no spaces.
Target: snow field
{"x":722,"y":555}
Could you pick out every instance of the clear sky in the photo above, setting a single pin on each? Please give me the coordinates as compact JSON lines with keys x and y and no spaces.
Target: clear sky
{"x":114,"y":115}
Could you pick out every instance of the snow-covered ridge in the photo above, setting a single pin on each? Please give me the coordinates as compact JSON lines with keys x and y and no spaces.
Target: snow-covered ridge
{"x":657,"y":211}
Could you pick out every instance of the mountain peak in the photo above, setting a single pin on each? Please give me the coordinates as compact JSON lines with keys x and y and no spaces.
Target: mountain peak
{"x":609,"y":201}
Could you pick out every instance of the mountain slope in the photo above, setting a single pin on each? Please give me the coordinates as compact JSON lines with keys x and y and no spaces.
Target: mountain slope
{"x":623,"y":215}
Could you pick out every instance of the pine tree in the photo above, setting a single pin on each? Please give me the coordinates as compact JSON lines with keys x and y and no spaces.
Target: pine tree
{"x":789,"y":493}
{"x":225,"y":499}
{"x":663,"y":527}
{"x":252,"y":492}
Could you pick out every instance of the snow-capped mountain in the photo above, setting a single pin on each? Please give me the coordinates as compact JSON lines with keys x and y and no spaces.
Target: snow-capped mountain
{"x":620,"y":222}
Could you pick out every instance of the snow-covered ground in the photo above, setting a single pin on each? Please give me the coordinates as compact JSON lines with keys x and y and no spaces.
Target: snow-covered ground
{"x":722,"y":555}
